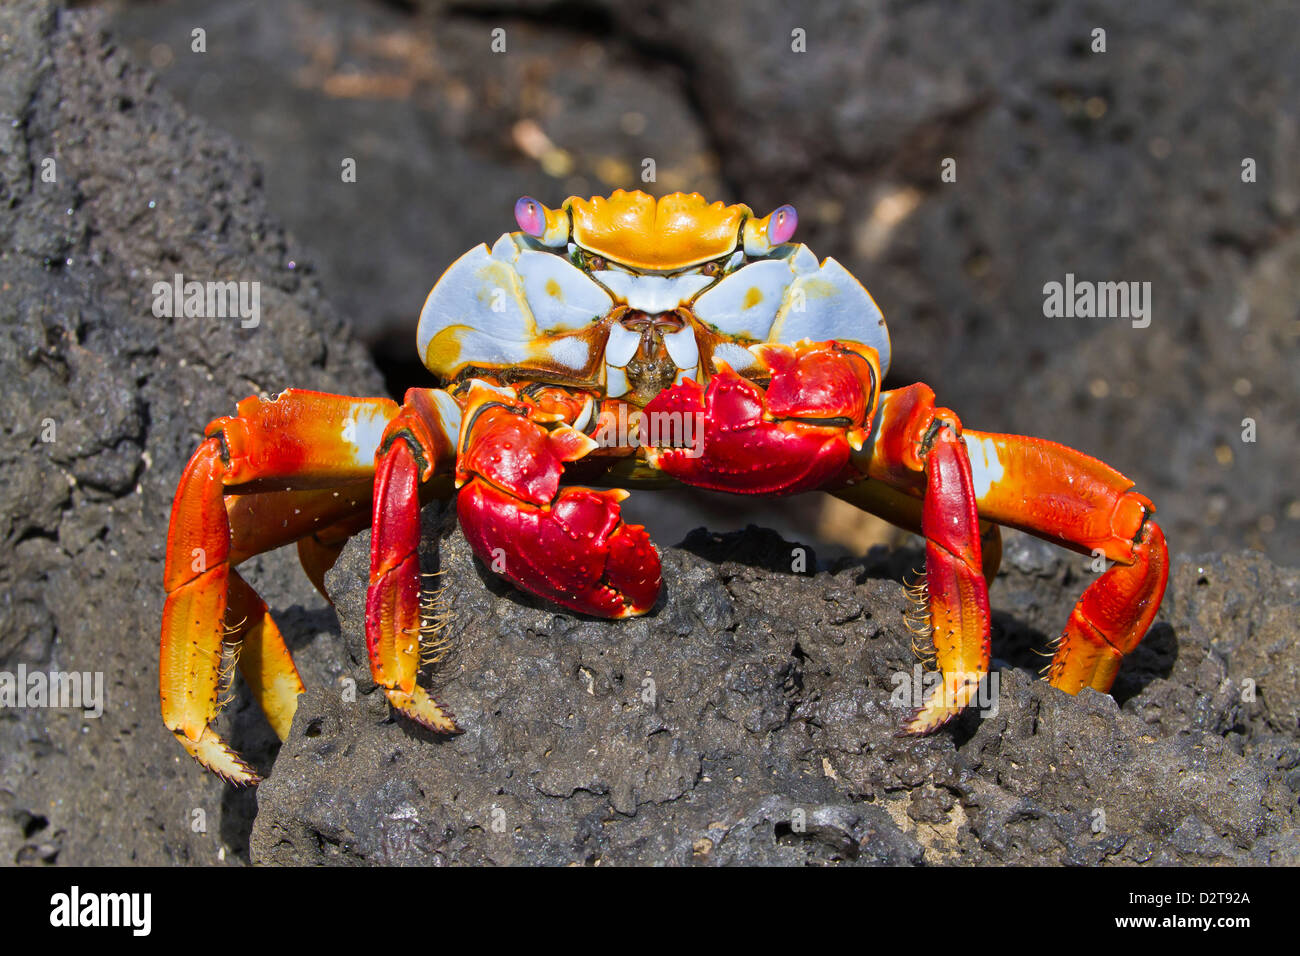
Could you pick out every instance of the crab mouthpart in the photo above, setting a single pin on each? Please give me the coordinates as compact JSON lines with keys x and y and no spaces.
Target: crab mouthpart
{"x":647,"y":353}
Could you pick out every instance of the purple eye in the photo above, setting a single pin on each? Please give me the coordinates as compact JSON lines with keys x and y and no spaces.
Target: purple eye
{"x":531,"y":216}
{"x":782,"y":224}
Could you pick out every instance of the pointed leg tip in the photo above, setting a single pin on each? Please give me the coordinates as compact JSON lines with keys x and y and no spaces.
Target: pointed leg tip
{"x":633,"y":610}
{"x":445,"y":725}
{"x":419,"y":707}
{"x":215,"y":755}
{"x":941,"y":707}
{"x":249,"y":779}
{"x":927,"y":720}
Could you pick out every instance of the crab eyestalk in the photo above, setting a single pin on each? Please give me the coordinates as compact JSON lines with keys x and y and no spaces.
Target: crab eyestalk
{"x":761,"y":236}
{"x":548,"y":226}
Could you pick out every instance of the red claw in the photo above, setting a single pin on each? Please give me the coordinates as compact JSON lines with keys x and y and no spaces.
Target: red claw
{"x":577,"y":552}
{"x":794,"y":437}
{"x":567,"y":545}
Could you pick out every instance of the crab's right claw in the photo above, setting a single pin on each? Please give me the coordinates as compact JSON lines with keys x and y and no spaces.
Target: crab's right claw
{"x":576,"y":551}
{"x":569,"y":546}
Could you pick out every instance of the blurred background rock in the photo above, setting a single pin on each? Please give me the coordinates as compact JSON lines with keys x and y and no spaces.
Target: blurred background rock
{"x":1117,"y":166}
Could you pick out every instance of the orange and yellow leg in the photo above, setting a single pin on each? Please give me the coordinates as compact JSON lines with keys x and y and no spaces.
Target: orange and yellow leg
{"x":1063,"y":495}
{"x":1040,"y":487}
{"x":237,"y":498}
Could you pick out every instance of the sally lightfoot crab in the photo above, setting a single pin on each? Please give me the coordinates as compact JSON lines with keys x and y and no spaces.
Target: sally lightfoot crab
{"x":624,"y":342}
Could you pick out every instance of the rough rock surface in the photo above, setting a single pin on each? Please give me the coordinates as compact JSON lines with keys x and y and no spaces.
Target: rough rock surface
{"x":103,"y":404}
{"x":751,"y":719}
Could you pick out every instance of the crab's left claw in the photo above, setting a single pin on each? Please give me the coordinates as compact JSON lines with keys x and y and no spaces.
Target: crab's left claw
{"x":795,"y":435}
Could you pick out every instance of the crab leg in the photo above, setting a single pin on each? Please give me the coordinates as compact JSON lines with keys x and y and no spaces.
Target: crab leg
{"x":263,"y":656}
{"x":263,"y":521}
{"x":1057,"y":493}
{"x":1112,"y":616}
{"x":305,"y":438}
{"x":958,"y":593}
{"x":1064,"y":495}
{"x":414,"y":446}
{"x":318,"y":551}
{"x":208,"y":606}
{"x":196,"y":578}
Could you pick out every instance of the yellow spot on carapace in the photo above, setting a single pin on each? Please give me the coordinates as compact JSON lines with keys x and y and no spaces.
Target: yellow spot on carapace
{"x":814,"y":288}
{"x":445,"y":353}
{"x":752,"y":298}
{"x":553,"y":288}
